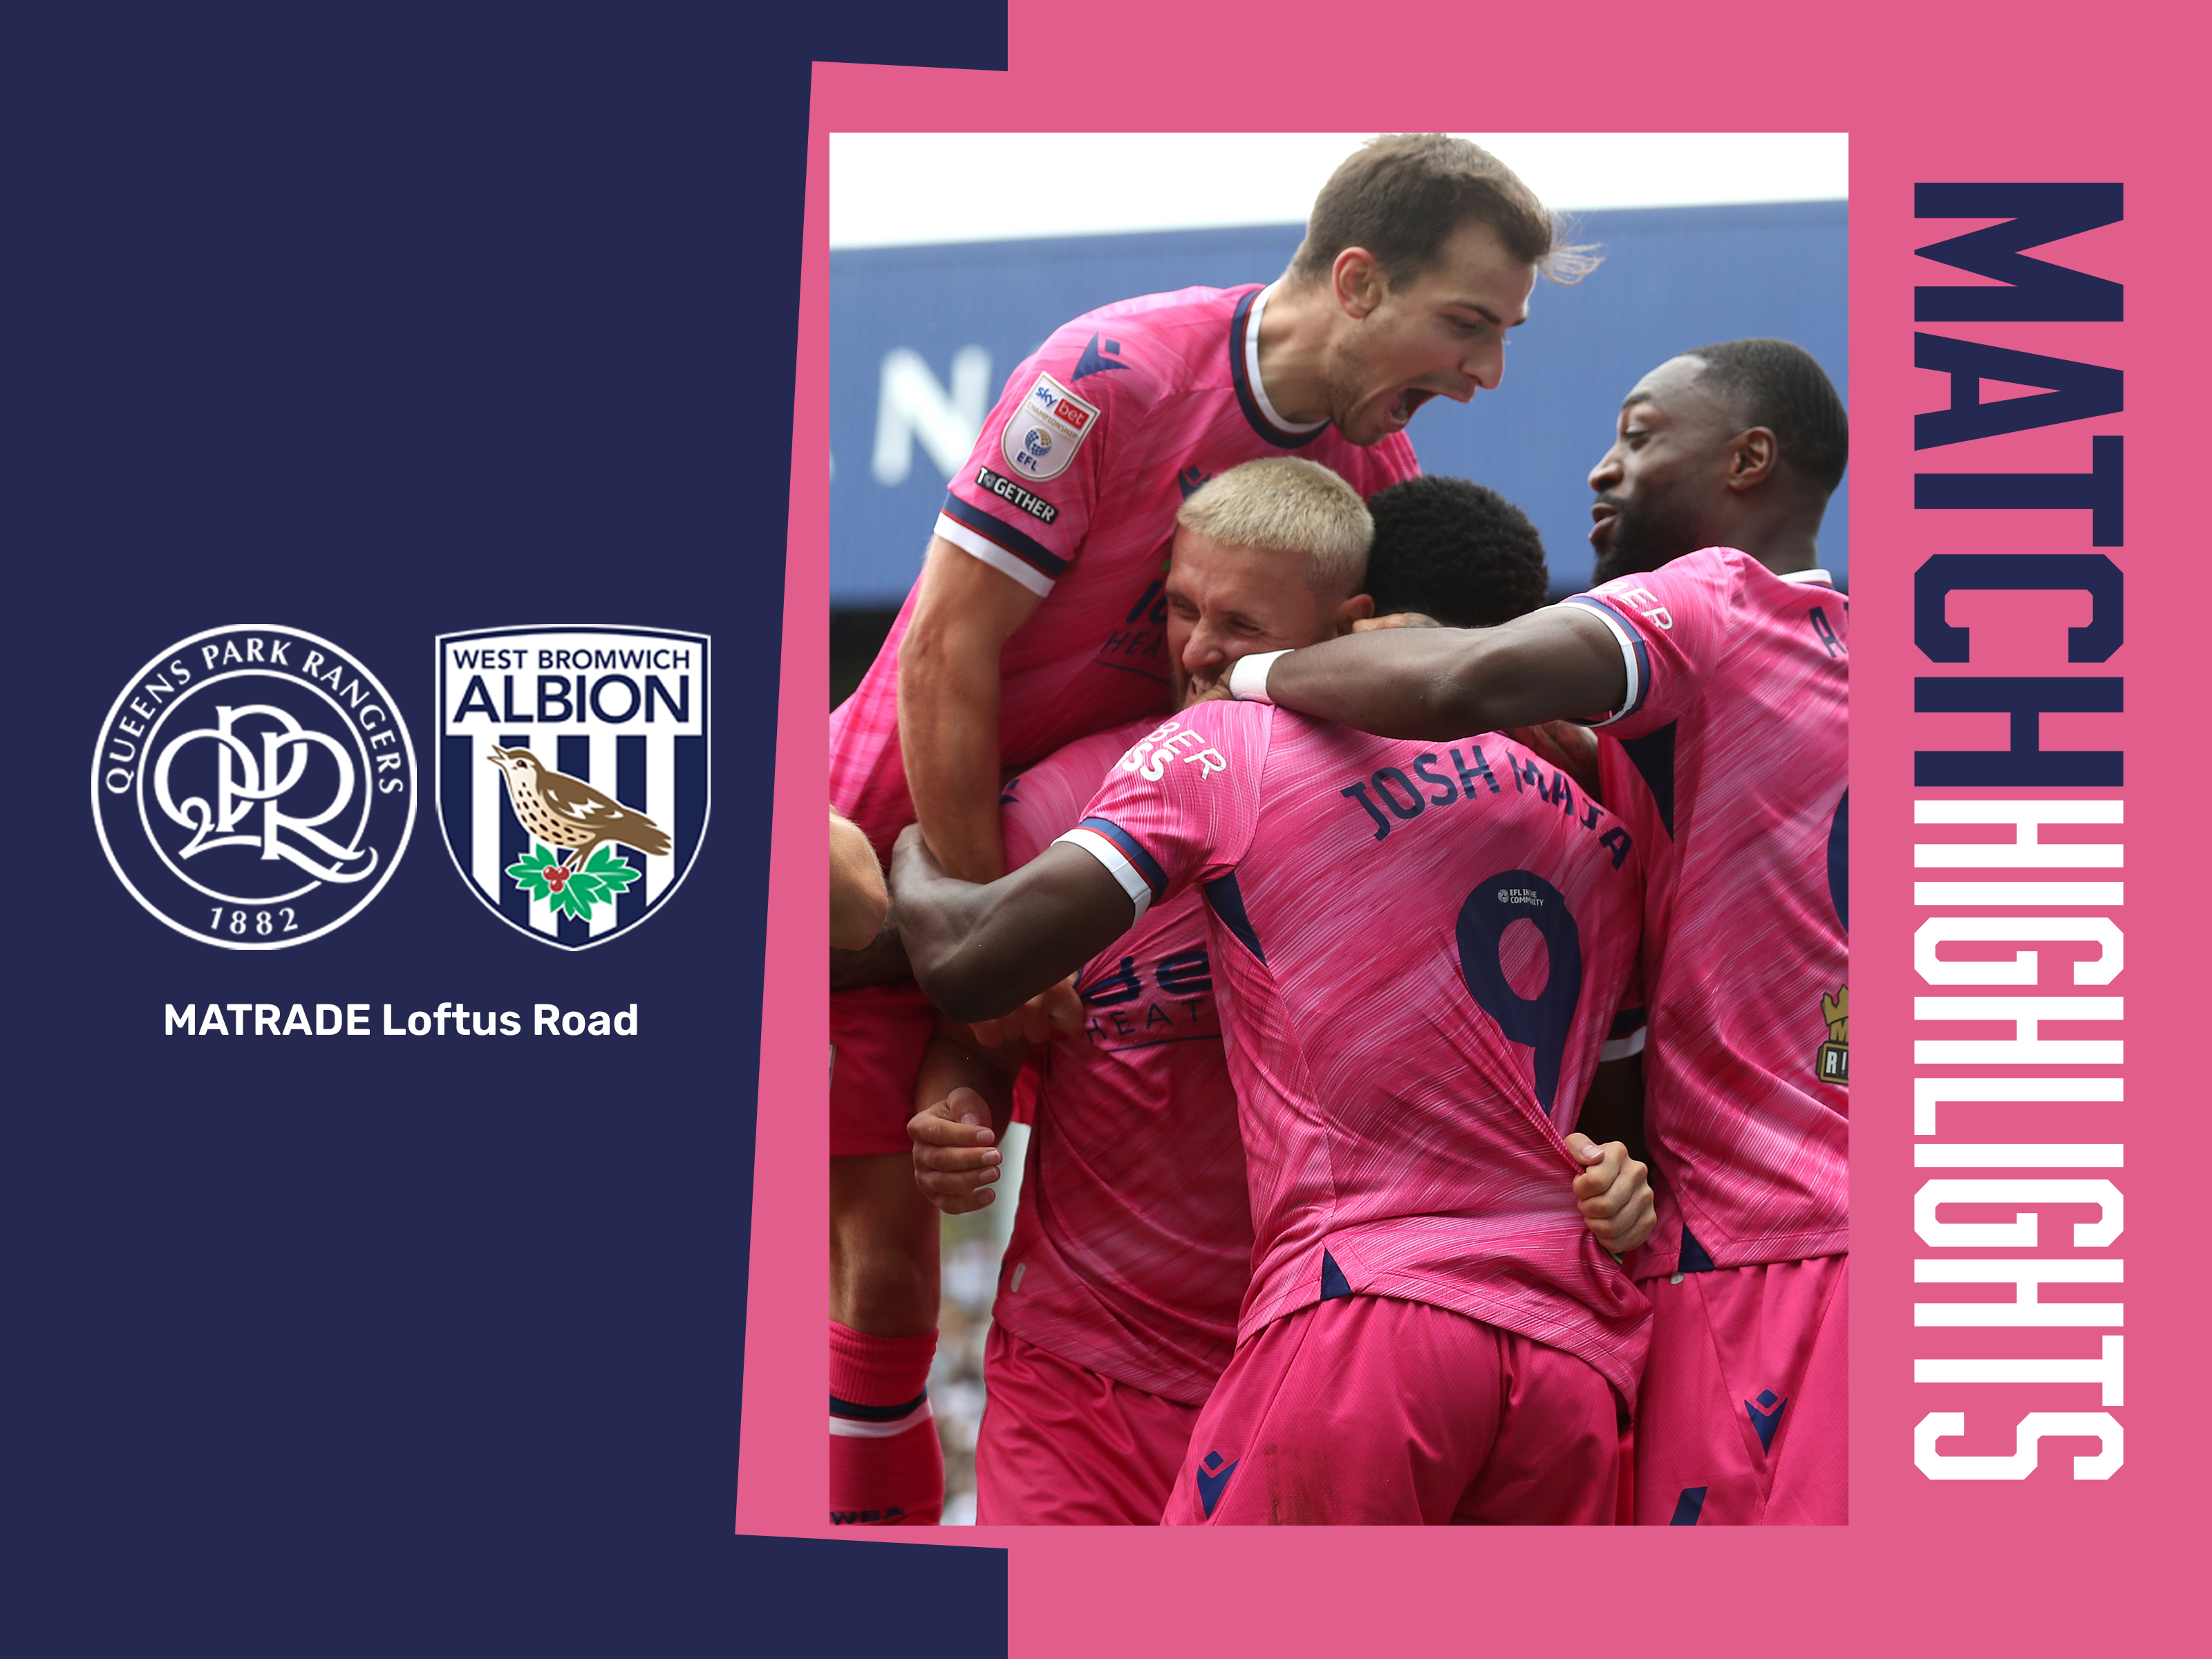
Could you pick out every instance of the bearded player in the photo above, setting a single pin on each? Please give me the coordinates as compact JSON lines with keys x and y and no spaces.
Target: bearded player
{"x":1120,"y":1288}
{"x":1037,"y":620}
{"x":1721,"y":670}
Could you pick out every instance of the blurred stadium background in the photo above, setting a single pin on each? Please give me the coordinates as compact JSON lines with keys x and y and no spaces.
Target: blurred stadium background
{"x":953,"y":255}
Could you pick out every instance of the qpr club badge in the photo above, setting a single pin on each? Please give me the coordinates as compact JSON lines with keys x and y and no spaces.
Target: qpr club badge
{"x":253,"y":786}
{"x":571,"y":772}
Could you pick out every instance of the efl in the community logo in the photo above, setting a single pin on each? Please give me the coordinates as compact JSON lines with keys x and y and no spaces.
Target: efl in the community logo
{"x":253,"y":786}
{"x":572,"y":772}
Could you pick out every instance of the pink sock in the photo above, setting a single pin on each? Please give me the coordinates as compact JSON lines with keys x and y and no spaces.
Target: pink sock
{"x":886,"y":1468}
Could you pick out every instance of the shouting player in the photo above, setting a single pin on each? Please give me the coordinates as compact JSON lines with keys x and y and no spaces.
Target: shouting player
{"x":1722,"y":668}
{"x":1120,"y":1288}
{"x":1420,"y":954}
{"x":1037,"y":620}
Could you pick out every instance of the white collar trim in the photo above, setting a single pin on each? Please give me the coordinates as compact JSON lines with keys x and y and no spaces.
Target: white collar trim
{"x":1251,"y":368}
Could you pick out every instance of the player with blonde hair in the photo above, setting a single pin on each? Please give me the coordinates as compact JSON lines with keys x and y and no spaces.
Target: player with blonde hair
{"x":1121,"y":1289}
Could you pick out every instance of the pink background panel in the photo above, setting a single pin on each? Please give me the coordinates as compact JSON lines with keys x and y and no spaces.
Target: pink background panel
{"x":2046,"y":1566}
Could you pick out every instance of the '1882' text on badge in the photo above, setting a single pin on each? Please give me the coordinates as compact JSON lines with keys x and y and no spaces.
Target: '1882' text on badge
{"x":253,"y":786}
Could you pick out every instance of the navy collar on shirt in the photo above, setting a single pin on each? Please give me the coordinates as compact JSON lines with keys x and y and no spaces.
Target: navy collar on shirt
{"x":1279,"y":436}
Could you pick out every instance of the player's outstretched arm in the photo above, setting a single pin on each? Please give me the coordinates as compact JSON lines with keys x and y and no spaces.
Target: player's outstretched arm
{"x":1443,"y":683}
{"x":964,"y":612}
{"x":979,"y":952}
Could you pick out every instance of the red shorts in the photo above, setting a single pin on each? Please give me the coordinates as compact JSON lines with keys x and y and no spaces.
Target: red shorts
{"x":1742,"y":1416}
{"x":1365,"y":1410}
{"x":876,"y":1036}
{"x":1063,"y":1446}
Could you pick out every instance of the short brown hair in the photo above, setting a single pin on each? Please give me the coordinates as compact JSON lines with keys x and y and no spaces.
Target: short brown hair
{"x":1287,"y":504}
{"x":1401,"y":196}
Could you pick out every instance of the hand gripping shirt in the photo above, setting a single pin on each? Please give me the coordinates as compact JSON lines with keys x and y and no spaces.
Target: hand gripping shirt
{"x":1072,"y":490}
{"x":1731,"y":758}
{"x":1132,"y":1242}
{"x":1418,"y":951}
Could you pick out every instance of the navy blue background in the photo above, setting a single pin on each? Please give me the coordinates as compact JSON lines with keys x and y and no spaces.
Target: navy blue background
{"x":1672,"y":278}
{"x":383,"y":326}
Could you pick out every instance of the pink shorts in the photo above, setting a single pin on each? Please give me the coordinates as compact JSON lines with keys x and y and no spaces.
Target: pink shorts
{"x":1063,"y":1446}
{"x":876,"y":1036}
{"x":1369,"y":1411}
{"x":1743,"y":1414}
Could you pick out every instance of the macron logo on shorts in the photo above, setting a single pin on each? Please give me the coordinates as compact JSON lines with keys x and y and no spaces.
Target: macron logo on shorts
{"x":1211,"y":1478}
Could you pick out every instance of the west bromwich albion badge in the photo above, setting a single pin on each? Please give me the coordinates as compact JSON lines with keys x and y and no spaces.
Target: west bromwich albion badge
{"x":571,"y":772}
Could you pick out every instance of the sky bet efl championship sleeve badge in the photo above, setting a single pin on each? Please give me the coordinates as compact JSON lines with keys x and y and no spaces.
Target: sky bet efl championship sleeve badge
{"x":253,"y":786}
{"x":1045,"y":430}
{"x":571,"y":772}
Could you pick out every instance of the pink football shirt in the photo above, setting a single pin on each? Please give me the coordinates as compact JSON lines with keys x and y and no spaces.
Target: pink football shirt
{"x":1419,"y":952}
{"x":1072,"y":490}
{"x":1731,"y":759}
{"x":1133,"y":1242}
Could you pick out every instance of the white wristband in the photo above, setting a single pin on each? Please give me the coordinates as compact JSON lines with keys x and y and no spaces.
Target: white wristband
{"x":1248,"y":676}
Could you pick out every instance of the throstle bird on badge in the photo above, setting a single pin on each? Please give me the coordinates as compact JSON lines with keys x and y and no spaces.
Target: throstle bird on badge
{"x":569,"y":813}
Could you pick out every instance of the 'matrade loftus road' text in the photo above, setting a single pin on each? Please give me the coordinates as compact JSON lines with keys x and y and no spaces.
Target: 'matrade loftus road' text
{"x":263,"y":1019}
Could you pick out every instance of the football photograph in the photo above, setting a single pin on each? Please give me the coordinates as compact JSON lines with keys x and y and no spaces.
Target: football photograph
{"x":1338,"y":989}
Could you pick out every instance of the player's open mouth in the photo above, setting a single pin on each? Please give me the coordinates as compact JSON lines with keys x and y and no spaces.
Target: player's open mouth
{"x":1409,"y":400}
